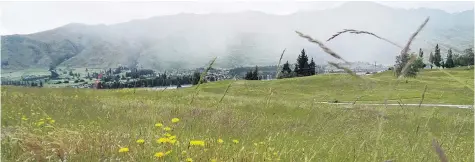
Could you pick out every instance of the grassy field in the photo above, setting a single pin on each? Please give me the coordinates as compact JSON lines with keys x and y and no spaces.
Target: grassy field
{"x":41,"y":124}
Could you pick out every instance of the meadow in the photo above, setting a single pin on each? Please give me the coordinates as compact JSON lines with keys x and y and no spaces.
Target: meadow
{"x":279,"y":120}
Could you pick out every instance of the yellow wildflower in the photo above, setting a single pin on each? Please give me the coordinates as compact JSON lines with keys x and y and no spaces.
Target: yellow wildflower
{"x":183,"y":152}
{"x":48,"y":118}
{"x":189,"y":160}
{"x":220,"y":140}
{"x":171,"y":137}
{"x":140,"y":141}
{"x":158,"y":125}
{"x":197,"y":143}
{"x":167,"y":129}
{"x":175,"y":120}
{"x":214,"y":160}
{"x":24,"y":118}
{"x":255,"y":144}
{"x":159,"y":154}
{"x":124,"y":149}
{"x":163,"y":140}
{"x":42,"y":119}
{"x":236,"y":141}
{"x":167,"y":134}
{"x":41,"y":123}
{"x":52,"y":121}
{"x":168,"y":152}
{"x":275,"y":153}
{"x":173,"y":141}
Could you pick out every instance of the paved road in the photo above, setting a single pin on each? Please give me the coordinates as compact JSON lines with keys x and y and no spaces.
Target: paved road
{"x":426,"y":105}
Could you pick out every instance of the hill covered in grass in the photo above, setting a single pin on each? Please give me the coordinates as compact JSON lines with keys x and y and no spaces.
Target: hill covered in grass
{"x":93,"y":125}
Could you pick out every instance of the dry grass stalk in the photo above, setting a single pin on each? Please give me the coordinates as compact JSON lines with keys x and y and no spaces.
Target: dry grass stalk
{"x":324,"y":48}
{"x":226,"y":91}
{"x":408,"y":44}
{"x":423,"y":94}
{"x":353,"y":31}
{"x":439,"y":151}
{"x":278,"y":65}
{"x":201,"y":79}
{"x":276,"y":76}
{"x":343,"y":68}
{"x":406,"y":67}
{"x":330,"y":52}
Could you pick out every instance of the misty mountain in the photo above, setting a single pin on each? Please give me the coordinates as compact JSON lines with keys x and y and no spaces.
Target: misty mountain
{"x":238,"y":39}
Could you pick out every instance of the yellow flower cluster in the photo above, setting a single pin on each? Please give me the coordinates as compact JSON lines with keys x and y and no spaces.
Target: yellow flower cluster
{"x":175,"y":120}
{"x":123,"y":149}
{"x":140,"y":141}
{"x":197,"y":143}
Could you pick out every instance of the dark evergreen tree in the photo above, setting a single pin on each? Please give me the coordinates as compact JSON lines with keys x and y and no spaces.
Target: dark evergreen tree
{"x":312,"y":67}
{"x":195,"y":79}
{"x":255,"y":74}
{"x":421,"y":53}
{"x":449,"y":63}
{"x":302,"y":64}
{"x":286,"y":68}
{"x":431,"y":60}
{"x":437,"y":57}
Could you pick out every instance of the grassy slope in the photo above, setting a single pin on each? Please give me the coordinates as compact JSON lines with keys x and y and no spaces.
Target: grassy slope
{"x":92,"y":124}
{"x":440,"y":88}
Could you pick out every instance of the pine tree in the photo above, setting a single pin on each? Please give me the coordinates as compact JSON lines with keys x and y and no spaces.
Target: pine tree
{"x":302,"y":64}
{"x":286,"y":68}
{"x":437,"y":56}
{"x":195,"y":78}
{"x":421,"y":53}
{"x":449,"y":63}
{"x":431,"y":60}
{"x":255,"y":75}
{"x":312,"y":67}
{"x":296,"y":68}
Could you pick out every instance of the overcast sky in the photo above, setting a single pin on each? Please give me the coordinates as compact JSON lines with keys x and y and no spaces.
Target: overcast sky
{"x":30,"y":17}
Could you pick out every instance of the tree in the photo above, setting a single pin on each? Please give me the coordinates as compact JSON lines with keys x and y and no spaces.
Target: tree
{"x":41,"y":84}
{"x":255,"y":75}
{"x":449,"y":63}
{"x":196,"y":78}
{"x":470,"y":57}
{"x":312,"y":67}
{"x":431,"y":60}
{"x":302,"y":64}
{"x":286,"y":68}
{"x":418,"y":63}
{"x":252,"y":75}
{"x":437,"y":57}
{"x":421,"y":53}
{"x":401,"y":61}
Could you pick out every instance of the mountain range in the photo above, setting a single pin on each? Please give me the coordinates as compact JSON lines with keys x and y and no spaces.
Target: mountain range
{"x":239,"y":39}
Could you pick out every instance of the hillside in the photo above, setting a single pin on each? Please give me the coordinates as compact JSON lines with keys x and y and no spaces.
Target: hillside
{"x":44,"y":124}
{"x":237,"y":39}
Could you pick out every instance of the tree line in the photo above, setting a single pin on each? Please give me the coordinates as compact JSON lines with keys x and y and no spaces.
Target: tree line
{"x":22,"y":83}
{"x":302,"y":67}
{"x":435,"y":59}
